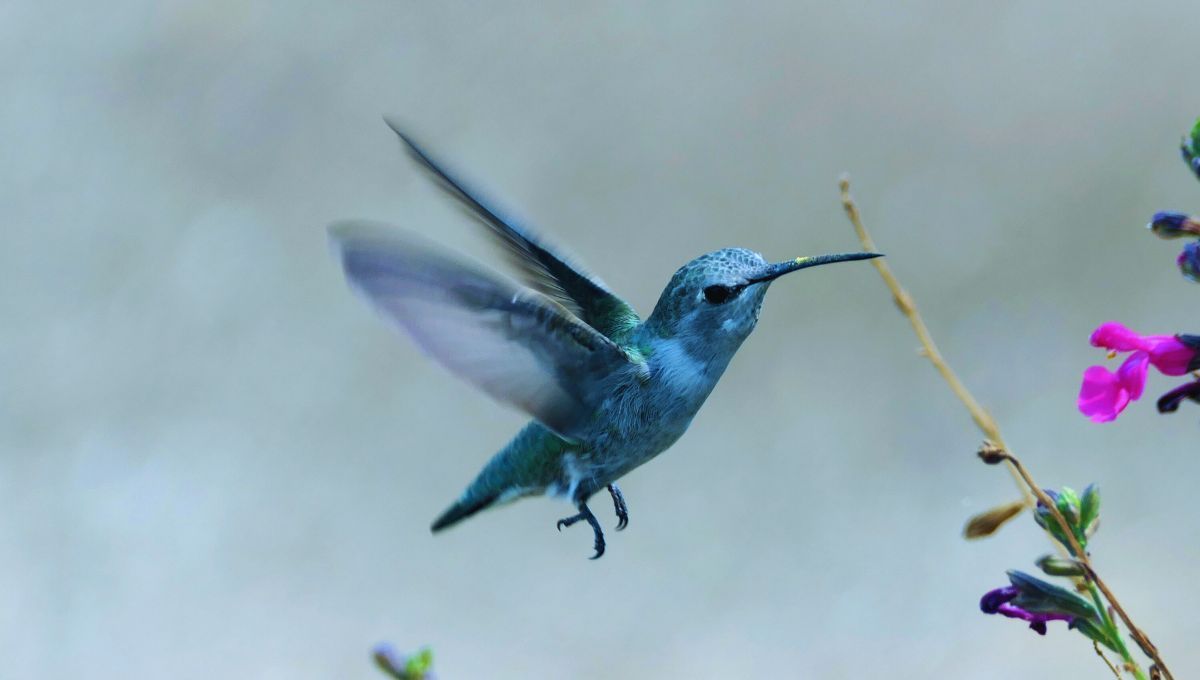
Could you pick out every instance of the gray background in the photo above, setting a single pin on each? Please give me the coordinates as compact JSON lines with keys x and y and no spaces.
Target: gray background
{"x":215,"y":462}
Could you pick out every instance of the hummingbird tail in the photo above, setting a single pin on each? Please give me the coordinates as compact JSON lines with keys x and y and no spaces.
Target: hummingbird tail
{"x":461,"y":510}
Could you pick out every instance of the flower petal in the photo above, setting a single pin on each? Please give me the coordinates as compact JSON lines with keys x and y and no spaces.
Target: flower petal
{"x":1132,"y":374}
{"x":1115,"y":336}
{"x":1101,"y":396}
{"x":1170,"y":355}
{"x":994,"y":599}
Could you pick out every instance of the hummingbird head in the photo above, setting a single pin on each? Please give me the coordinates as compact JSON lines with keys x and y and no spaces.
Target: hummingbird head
{"x":711,"y":304}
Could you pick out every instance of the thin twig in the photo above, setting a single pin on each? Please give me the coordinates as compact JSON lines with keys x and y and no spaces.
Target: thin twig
{"x":929,"y":349}
{"x":1100,"y":653}
{"x":985,"y":422}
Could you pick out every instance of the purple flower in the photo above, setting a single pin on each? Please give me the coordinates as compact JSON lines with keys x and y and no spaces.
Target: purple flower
{"x":999,"y":601}
{"x":1038,"y":602}
{"x":1189,"y":261}
{"x":1105,"y":394}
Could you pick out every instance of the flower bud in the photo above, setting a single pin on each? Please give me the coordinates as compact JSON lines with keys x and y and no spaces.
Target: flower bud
{"x":1189,"y":261}
{"x":1052,"y":565}
{"x":1089,"y":511}
{"x":1169,"y":402}
{"x":986,"y":523}
{"x":1067,"y":503}
{"x":1173,"y":225}
{"x":991,"y":453}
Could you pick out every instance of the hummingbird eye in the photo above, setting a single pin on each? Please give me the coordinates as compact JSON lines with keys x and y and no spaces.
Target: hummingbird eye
{"x":717,"y":294}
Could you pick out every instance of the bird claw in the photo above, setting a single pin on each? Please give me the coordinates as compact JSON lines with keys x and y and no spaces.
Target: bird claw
{"x":599,"y":551}
{"x":586,"y":514}
{"x":619,"y":506}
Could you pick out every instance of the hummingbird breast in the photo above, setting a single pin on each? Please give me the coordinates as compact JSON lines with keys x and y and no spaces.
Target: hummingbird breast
{"x":639,"y":418}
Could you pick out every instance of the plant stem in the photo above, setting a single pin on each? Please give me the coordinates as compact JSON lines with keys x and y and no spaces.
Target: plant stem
{"x":992,"y":431}
{"x":1114,"y":633}
{"x":908,"y":308}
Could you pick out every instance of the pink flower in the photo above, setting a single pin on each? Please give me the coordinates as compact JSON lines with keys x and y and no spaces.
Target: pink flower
{"x":1105,"y":394}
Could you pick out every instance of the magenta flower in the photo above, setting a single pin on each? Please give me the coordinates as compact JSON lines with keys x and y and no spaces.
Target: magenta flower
{"x":1104,"y":394}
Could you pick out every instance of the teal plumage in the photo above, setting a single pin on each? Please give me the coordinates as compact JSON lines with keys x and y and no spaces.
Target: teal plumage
{"x":607,"y":391}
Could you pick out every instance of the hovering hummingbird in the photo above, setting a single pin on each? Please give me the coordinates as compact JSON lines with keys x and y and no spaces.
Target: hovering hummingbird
{"x":607,"y":390}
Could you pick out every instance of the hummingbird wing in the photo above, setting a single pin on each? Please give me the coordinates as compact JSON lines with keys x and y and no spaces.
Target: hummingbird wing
{"x":515,"y":344}
{"x":542,"y":268}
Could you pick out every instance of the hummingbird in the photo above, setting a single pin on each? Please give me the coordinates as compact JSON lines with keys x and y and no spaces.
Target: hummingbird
{"x":607,"y":391}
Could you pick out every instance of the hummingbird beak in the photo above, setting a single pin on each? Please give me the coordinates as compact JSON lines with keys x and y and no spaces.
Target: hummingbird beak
{"x":774,"y":271}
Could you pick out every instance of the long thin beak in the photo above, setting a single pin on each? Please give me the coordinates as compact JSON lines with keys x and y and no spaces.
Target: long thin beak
{"x":774,"y":271}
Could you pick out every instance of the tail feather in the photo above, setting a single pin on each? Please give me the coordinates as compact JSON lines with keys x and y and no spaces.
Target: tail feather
{"x":461,"y":510}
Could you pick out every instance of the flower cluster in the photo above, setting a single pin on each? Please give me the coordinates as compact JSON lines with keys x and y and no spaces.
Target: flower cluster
{"x":1104,"y":394}
{"x":1037,"y":602}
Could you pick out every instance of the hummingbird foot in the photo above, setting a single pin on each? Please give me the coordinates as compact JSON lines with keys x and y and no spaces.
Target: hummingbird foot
{"x":620,"y":507}
{"x":586,"y":514}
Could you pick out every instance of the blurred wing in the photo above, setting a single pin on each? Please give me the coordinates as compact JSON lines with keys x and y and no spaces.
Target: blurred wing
{"x":546,"y":271}
{"x":513,"y":343}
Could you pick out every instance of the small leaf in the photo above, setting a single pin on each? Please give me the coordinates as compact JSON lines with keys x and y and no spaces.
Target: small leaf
{"x":986,"y":523}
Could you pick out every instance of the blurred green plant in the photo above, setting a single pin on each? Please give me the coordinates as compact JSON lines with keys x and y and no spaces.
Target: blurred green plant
{"x":419,"y":666}
{"x":1190,"y":149}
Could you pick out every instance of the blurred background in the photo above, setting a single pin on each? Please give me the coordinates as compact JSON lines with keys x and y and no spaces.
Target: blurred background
{"x":216,"y":462}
